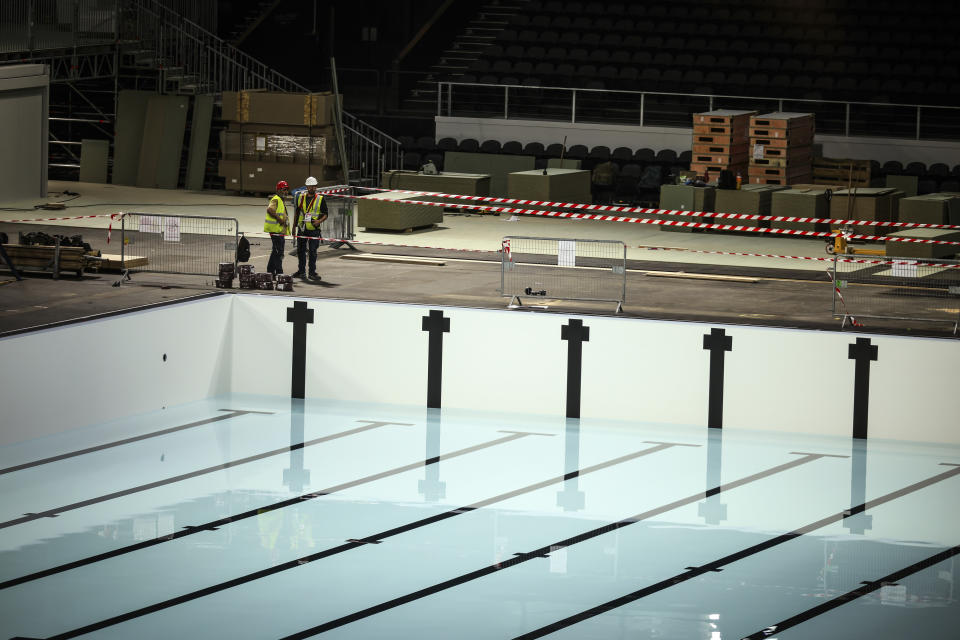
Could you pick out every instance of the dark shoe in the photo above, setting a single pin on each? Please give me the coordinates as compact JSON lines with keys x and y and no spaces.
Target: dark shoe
{"x":315,"y":276}
{"x":299,"y":274}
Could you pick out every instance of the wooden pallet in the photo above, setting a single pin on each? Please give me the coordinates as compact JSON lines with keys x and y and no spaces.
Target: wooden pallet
{"x":719,"y":118}
{"x":799,"y":141}
{"x":799,"y":133}
{"x":116,"y":262}
{"x":832,"y":171}
{"x":720,"y":158}
{"x":44,"y":258}
{"x":780,"y":120}
{"x":704,"y":169}
{"x":735,"y":130}
{"x":789,"y":160}
{"x":726,"y":148}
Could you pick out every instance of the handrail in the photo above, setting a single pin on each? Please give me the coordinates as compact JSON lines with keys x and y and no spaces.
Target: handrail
{"x":502,"y":109}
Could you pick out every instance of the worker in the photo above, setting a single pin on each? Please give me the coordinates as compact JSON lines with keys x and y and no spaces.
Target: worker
{"x":311,"y":211}
{"x":276,"y":225}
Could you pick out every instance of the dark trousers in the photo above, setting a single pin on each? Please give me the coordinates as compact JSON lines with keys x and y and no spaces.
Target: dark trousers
{"x":275,"y":264}
{"x":307,"y":244}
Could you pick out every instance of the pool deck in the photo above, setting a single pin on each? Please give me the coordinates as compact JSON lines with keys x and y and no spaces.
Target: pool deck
{"x":783,"y":292}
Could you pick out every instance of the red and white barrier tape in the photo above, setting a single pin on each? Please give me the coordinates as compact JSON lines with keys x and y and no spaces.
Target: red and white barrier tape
{"x":674,"y":212}
{"x":666,"y":223}
{"x":816,"y":258}
{"x":99,"y":215}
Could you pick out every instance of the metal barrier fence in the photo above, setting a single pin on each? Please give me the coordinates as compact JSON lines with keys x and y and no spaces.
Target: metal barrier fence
{"x":189,"y":245}
{"x":563,"y":268}
{"x":897,"y":289}
{"x":339,"y":222}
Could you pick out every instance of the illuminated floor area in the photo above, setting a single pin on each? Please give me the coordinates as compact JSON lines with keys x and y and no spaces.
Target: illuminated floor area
{"x":258,"y":517}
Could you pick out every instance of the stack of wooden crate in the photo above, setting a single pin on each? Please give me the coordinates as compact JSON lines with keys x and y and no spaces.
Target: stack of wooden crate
{"x":781,"y":146}
{"x":720,"y":142}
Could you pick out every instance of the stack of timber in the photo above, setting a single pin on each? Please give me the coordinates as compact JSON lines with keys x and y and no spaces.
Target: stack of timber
{"x":782,"y":148}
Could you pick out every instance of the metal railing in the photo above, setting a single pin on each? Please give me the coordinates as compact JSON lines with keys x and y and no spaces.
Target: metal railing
{"x":563,"y":269}
{"x":189,"y":245}
{"x":658,"y":109}
{"x":924,"y":289}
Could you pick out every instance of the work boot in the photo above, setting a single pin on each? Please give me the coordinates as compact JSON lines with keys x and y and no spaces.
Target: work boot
{"x":299,"y":274}
{"x":315,"y":276}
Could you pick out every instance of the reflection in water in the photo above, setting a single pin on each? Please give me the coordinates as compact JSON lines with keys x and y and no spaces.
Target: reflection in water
{"x":431,"y":488}
{"x":296,"y":477}
{"x":571,"y":498}
{"x":712,"y":510}
{"x":856,"y":520}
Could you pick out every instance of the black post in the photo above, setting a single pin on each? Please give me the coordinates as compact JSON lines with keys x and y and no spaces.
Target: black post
{"x":716,"y":342}
{"x":575,"y":334}
{"x":296,"y":477}
{"x":863,"y":352}
{"x":300,"y":315}
{"x":436,"y":325}
{"x":431,"y":487}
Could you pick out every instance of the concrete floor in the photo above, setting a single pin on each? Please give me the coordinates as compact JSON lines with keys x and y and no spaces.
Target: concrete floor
{"x":779,"y":292}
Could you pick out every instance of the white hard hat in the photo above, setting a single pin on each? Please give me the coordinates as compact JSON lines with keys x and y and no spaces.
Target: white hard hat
{"x":311,"y":182}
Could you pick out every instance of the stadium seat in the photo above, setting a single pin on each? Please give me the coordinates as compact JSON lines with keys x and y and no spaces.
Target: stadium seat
{"x":469,"y":145}
{"x":533,"y":149}
{"x":512,"y":147}
{"x":490,"y":146}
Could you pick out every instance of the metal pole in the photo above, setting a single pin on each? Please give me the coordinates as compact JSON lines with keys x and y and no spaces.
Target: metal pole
{"x":642,"y":96}
{"x":846,"y":124}
{"x":439,"y":94}
{"x":506,"y":102}
{"x":573,"y":106}
{"x":449,"y":99}
{"x":918,"y":123}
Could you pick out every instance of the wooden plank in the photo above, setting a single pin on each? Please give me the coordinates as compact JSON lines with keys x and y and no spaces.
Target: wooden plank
{"x":114,"y":261}
{"x":700,"y":276}
{"x":371,"y":257}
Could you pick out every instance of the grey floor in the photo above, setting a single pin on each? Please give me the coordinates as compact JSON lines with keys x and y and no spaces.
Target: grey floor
{"x":776,"y":291}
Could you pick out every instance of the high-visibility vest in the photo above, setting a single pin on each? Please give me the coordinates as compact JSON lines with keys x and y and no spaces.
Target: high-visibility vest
{"x":310,"y":210}
{"x":272,"y":224}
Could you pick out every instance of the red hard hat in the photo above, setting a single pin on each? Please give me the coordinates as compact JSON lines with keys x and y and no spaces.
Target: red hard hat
{"x":282,"y":185}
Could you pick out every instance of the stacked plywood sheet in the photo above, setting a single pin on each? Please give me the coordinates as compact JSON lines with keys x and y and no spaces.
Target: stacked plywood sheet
{"x":720,"y":142}
{"x":781,"y":146}
{"x":277,"y":136}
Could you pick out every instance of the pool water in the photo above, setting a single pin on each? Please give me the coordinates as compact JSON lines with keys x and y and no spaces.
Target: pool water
{"x":260,"y":517}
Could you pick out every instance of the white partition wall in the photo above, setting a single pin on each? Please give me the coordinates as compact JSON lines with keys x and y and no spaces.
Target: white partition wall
{"x":24,"y":107}
{"x":67,"y":377}
{"x":642,"y":370}
{"x":485,"y":360}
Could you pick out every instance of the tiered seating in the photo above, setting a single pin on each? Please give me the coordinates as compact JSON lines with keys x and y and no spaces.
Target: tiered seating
{"x":877,"y":52}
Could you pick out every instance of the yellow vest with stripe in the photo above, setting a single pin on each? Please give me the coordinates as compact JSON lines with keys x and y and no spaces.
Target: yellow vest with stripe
{"x":310,"y":212}
{"x":272,"y":224}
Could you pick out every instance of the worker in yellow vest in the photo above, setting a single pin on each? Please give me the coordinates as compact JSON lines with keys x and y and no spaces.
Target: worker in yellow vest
{"x":311,"y":211}
{"x":276,"y":225}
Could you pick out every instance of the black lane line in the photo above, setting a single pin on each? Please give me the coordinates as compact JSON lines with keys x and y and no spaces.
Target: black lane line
{"x":100,"y":447}
{"x":544,"y":551}
{"x":436,"y":325}
{"x":53,"y":513}
{"x":511,"y":435}
{"x":575,"y":334}
{"x":693,"y":572}
{"x":717,"y":342}
{"x":209,"y":526}
{"x":850,"y":596}
{"x":863,"y":352}
{"x":300,"y":315}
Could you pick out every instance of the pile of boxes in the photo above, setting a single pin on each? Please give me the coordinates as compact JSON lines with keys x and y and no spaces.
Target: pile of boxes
{"x":247,"y":277}
{"x":721,"y":142}
{"x":277,"y":136}
{"x":227,"y":273}
{"x":781,"y":145}
{"x":284,"y":282}
{"x":264,"y":281}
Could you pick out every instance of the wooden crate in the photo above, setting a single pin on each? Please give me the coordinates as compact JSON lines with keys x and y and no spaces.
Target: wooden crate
{"x":801,"y":179}
{"x":712,"y":169}
{"x":719,"y":158}
{"x":717,"y":139}
{"x":789,"y":161}
{"x":840,"y":172}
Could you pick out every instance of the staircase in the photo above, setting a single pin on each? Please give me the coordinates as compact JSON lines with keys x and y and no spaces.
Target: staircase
{"x":481,"y":31}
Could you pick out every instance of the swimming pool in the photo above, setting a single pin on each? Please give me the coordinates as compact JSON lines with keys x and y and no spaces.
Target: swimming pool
{"x":246,"y":516}
{"x":431,"y":482}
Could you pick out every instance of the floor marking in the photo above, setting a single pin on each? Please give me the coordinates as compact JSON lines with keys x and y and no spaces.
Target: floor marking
{"x":63,"y":456}
{"x":256,"y":511}
{"x":524,"y":557}
{"x":186,"y":476}
{"x":376,"y":538}
{"x":716,"y":565}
